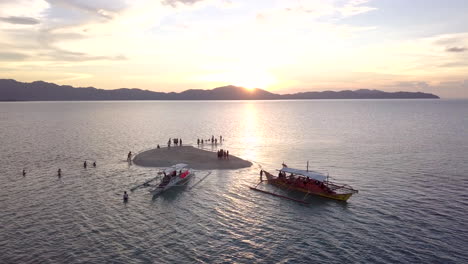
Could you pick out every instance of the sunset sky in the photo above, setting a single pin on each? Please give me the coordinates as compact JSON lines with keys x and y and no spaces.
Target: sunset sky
{"x":281,"y":46}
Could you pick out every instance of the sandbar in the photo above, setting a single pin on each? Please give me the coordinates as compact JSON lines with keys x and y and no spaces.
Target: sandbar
{"x":196,"y":158}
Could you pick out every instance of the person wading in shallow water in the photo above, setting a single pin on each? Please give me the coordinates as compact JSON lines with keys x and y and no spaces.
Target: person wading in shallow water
{"x":129,"y":156}
{"x":125,"y":196}
{"x":59,"y":172}
{"x":24,"y":172}
{"x":94,"y":164}
{"x":85,"y":165}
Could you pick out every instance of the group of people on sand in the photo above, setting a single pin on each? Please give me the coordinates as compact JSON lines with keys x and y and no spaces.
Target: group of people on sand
{"x":223,"y":154}
{"x":176,"y":141}
{"x":213,"y":140}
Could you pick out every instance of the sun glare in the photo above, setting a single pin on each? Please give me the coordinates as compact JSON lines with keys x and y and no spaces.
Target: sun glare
{"x":249,"y":79}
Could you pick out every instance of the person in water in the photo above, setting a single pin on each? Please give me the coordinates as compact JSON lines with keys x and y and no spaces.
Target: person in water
{"x":94,"y":164}
{"x":59,"y":172}
{"x":24,"y":172}
{"x":84,"y":164}
{"x":125,"y":196}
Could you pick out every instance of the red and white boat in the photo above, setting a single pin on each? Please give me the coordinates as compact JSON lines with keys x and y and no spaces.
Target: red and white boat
{"x":175,"y":175}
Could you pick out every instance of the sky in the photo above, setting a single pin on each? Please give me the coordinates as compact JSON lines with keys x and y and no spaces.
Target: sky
{"x":280,"y":46}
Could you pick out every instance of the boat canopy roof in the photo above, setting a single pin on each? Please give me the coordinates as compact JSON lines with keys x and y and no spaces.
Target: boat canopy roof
{"x":179,"y":166}
{"x":310,"y":174}
{"x":175,"y":168}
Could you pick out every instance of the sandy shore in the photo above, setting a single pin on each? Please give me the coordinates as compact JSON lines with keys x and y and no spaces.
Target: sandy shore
{"x":196,"y":159}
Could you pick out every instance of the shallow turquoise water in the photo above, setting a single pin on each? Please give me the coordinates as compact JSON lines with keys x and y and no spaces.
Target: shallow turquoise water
{"x":407,"y":158}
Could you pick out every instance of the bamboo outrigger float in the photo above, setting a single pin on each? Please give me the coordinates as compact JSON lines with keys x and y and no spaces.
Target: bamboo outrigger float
{"x":309,"y":182}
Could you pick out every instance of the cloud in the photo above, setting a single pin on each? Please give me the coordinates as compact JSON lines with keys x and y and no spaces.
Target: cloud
{"x":57,"y":54}
{"x":12,"y":56}
{"x":175,"y":3}
{"x":456,"y":49}
{"x":445,"y":89}
{"x":355,"y":7}
{"x":20,"y":20}
{"x":99,"y":9}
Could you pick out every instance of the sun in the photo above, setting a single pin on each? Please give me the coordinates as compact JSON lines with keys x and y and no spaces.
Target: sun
{"x":252,"y":80}
{"x":247,"y":78}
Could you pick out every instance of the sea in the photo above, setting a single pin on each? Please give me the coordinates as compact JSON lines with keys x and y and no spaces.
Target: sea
{"x":407,"y":158}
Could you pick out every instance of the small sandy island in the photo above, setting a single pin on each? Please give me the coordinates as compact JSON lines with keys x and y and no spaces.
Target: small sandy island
{"x":196,"y":159}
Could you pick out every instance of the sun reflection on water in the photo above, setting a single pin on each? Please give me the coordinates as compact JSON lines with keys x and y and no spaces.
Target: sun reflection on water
{"x":250,"y":132}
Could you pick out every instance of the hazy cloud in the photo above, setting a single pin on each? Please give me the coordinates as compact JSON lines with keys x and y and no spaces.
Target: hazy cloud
{"x":57,"y":54}
{"x":12,"y":56}
{"x":20,"y":20}
{"x":448,"y":89}
{"x":94,"y":8}
{"x":456,"y":49}
{"x":418,"y":85}
{"x":174,"y":3}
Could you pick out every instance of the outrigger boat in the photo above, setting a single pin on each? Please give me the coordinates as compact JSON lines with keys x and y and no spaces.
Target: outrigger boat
{"x":309,"y":182}
{"x":175,"y":175}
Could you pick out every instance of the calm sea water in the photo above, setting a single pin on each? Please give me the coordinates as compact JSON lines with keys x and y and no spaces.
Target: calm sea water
{"x":408,"y":158}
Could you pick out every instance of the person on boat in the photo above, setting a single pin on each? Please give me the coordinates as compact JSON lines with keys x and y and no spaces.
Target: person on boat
{"x":85,"y":164}
{"x":125,"y":196}
{"x":94,"y":164}
{"x":220,"y":139}
{"x":180,"y":141}
{"x":158,"y":146}
{"x":59,"y":172}
{"x":169,"y":143}
{"x":129,"y":156}
{"x":227,"y":154}
{"x":198,"y":141}
{"x":202,"y":141}
{"x":24,"y":172}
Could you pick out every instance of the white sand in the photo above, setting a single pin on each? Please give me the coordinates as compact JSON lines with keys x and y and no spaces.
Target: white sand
{"x":196,"y":159}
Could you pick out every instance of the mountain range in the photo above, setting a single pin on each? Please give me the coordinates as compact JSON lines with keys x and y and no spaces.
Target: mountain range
{"x":11,"y":90}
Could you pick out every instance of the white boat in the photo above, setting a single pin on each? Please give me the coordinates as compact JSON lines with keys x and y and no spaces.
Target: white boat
{"x":175,"y":175}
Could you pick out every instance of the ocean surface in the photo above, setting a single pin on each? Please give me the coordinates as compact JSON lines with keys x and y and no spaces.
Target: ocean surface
{"x":407,"y":158}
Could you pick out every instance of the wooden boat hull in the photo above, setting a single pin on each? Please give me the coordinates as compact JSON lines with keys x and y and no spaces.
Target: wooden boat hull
{"x":311,"y":188}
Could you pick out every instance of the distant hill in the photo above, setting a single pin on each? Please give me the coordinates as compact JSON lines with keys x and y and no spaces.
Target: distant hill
{"x":11,"y":90}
